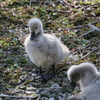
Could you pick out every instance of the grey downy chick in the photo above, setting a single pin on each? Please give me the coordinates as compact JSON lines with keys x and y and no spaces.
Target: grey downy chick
{"x":44,"y":50}
{"x":89,"y":79}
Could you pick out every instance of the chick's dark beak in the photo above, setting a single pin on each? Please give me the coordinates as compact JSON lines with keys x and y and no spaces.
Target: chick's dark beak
{"x":73,"y":84}
{"x":32,"y":35}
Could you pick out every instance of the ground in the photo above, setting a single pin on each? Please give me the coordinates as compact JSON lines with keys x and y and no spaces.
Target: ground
{"x":68,"y":20}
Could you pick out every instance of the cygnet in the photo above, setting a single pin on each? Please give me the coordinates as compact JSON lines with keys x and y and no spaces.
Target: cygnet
{"x":89,"y":79}
{"x":44,"y":50}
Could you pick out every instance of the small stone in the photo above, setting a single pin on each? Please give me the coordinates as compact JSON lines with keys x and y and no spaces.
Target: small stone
{"x":62,"y":95}
{"x":30,"y":88}
{"x":33,"y":70}
{"x":30,"y":73}
{"x":65,"y":72}
{"x":65,"y":80}
{"x":2,"y":65}
{"x":26,"y":77}
{"x":45,"y":93}
{"x":76,"y":88}
{"x":55,"y":85}
{"x":29,"y":92}
{"x":39,"y":90}
{"x":88,"y":9}
{"x":57,"y":91}
{"x":37,"y":77}
{"x":11,"y":31}
{"x":61,"y":75}
{"x":23,"y":87}
{"x":66,"y":85}
{"x":60,"y":98}
{"x":51,"y":98}
{"x":19,"y":91}
{"x":9,"y":52}
{"x":44,"y":98}
{"x":36,"y":84}
{"x":60,"y":79}
{"x":33,"y":75}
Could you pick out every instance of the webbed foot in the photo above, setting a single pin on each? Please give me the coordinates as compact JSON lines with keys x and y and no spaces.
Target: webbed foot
{"x":47,"y":77}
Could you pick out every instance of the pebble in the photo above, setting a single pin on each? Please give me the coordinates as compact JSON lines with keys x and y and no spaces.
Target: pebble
{"x":2,"y":66}
{"x":51,"y":98}
{"x":57,"y":91}
{"x":44,"y":98}
{"x":23,"y":87}
{"x":30,"y":92}
{"x":30,"y":88}
{"x":57,"y":88}
{"x":45,"y":93}
{"x":60,"y":98}
{"x":33,"y":75}
{"x":35,"y":84}
{"x":39,"y":90}
{"x":55,"y":85}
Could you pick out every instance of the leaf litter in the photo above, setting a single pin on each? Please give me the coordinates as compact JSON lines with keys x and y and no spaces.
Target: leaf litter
{"x":18,"y":80}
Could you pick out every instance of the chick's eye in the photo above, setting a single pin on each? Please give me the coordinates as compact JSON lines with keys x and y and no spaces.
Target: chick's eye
{"x":35,"y":27}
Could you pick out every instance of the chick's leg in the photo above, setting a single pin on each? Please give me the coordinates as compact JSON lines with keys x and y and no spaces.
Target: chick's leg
{"x":48,"y":76}
{"x":40,"y":72}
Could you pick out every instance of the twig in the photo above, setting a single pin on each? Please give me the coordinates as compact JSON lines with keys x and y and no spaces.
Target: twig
{"x":11,"y":96}
{"x":93,"y":29}
{"x":88,"y":45}
{"x":87,"y":54}
{"x":44,"y":2}
{"x":81,"y":26}
{"x":26,"y":82}
{"x":58,"y":11}
{"x":91,"y":5}
{"x":40,"y":7}
{"x":87,"y":33}
{"x":63,"y":69}
{"x":78,"y":27}
{"x":65,"y":4}
{"x":40,"y":4}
